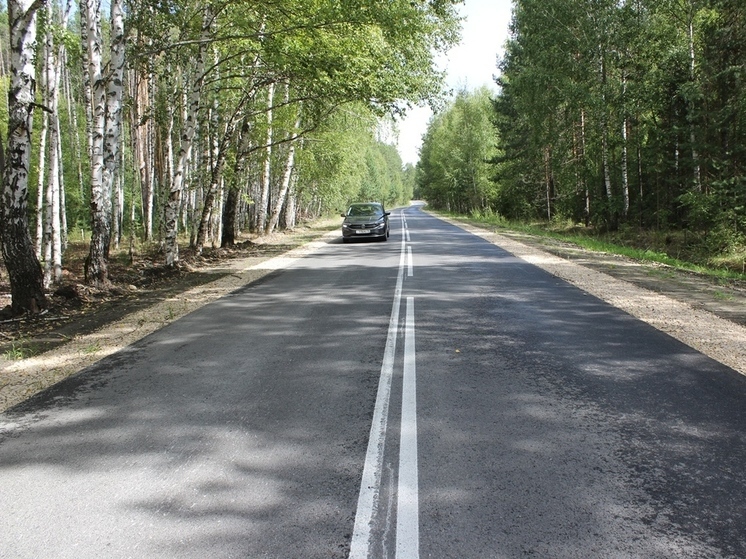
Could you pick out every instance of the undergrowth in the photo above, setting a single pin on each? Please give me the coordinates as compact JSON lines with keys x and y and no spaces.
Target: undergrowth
{"x":703,"y":253}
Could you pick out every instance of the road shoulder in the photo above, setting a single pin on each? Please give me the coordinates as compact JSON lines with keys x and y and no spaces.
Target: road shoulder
{"x":21,"y":379}
{"x":705,"y":316}
{"x":698,"y":311}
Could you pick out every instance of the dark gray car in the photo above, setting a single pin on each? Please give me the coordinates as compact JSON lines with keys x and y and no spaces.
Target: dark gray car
{"x":365,"y":220}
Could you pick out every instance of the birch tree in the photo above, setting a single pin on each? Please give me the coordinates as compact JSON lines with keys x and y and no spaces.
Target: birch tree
{"x":454,"y":167}
{"x":96,"y":265}
{"x":115,"y":90}
{"x":233,"y":198}
{"x":43,"y":134}
{"x":186,"y":136}
{"x":645,"y":91}
{"x":263,"y":202}
{"x":216,"y":175}
{"x":285,"y":183}
{"x":55,"y":209}
{"x":24,"y":270}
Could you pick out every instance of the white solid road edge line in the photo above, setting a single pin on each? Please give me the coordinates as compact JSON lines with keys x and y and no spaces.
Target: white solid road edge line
{"x":371,"y":482}
{"x":408,"y":507}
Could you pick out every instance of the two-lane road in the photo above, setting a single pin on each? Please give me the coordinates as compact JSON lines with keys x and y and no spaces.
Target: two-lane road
{"x":430,"y":396}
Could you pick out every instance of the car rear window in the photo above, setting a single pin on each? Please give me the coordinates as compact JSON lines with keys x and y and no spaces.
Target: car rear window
{"x":364,"y":209}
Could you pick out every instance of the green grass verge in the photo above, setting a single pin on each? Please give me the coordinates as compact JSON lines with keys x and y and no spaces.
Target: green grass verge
{"x":642,"y":246}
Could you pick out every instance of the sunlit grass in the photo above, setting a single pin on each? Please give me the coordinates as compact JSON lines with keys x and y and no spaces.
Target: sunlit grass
{"x":19,"y":350}
{"x":731,"y":266}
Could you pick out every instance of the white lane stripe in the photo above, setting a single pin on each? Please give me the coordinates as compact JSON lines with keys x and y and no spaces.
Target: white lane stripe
{"x":370,"y":486}
{"x":409,"y":262}
{"x":408,"y":507}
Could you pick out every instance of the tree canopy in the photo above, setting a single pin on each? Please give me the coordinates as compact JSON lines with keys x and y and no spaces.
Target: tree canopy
{"x":454,"y":170}
{"x":199,"y":120}
{"x":610,"y":114}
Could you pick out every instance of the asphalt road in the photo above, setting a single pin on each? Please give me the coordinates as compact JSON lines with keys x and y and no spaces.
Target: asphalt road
{"x":430,"y":396}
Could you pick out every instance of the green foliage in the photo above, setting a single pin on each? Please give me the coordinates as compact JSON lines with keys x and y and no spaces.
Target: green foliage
{"x":342,"y":162}
{"x":409,"y":182}
{"x":337,"y":62}
{"x":20,"y":350}
{"x":4,"y":85}
{"x":682,"y":251}
{"x":454,"y":169}
{"x":337,"y":68}
{"x":612,"y":113}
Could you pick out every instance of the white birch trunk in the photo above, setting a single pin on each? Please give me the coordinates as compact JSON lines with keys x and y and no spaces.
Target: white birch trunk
{"x":217,"y":159}
{"x":292,"y":203}
{"x":625,"y":155}
{"x":150,"y":141}
{"x":87,"y":88}
{"x":63,"y":203}
{"x":605,"y":163}
{"x":24,"y":271}
{"x":59,"y":238}
{"x":41,"y":215}
{"x":40,"y":187}
{"x":284,"y":185}
{"x":587,"y":208}
{"x":605,"y":134}
{"x":54,"y":200}
{"x":185,"y":202}
{"x":54,"y":184}
{"x":185,"y":148}
{"x":96,"y":268}
{"x":693,"y":77}
{"x":625,"y":167}
{"x":140,"y":138}
{"x":548,"y":180}
{"x":217,"y":216}
{"x":232,"y":204}
{"x":170,"y":147}
{"x":48,"y":228}
{"x":266,"y":167}
{"x":118,"y":218}
{"x":115,"y":87}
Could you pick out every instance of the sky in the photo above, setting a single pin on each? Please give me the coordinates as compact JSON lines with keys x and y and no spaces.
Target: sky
{"x":470,"y":65}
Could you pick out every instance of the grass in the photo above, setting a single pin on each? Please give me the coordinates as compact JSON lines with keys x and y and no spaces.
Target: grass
{"x":663,"y":273}
{"x":19,"y":351}
{"x":678,"y":249}
{"x":92,"y":348}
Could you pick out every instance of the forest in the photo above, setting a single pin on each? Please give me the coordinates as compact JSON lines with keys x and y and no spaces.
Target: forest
{"x":179,"y":124}
{"x":609,"y":116}
{"x":182,"y":124}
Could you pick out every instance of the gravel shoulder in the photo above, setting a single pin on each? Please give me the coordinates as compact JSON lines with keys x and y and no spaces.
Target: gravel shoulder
{"x":706,"y":315}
